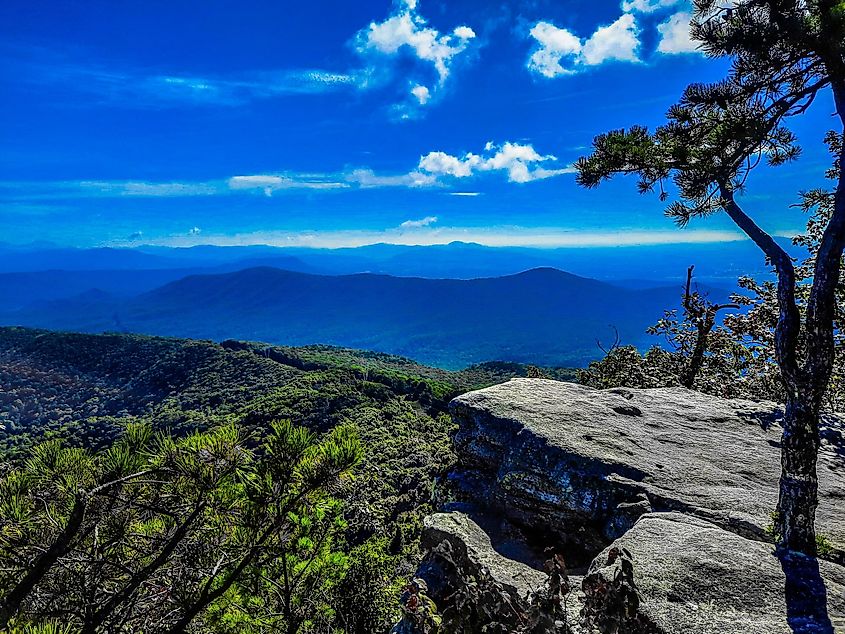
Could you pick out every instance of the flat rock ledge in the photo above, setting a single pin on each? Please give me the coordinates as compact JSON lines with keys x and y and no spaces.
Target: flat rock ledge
{"x":584,"y":464}
{"x":667,"y":493}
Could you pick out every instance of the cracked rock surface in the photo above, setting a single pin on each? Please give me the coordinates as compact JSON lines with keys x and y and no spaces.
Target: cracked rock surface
{"x":696,"y":578}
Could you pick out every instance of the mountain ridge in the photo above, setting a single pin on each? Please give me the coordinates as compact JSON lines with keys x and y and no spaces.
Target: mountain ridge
{"x":542,"y":316}
{"x":715,"y":262}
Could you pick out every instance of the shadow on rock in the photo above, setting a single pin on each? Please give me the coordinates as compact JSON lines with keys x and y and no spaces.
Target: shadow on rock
{"x":806,"y":595}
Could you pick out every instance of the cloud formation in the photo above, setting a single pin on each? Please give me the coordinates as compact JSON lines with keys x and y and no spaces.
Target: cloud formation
{"x":675,"y":35}
{"x":140,"y":89}
{"x":561,"y":52}
{"x":422,"y":93}
{"x":367,"y":179}
{"x":419,"y":224}
{"x":406,"y":32}
{"x":521,"y":162}
{"x":239,"y":89}
{"x":270,"y":183}
{"x":141,"y":188}
{"x":647,"y":6}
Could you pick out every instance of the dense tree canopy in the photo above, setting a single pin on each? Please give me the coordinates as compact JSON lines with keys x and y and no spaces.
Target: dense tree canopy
{"x":82,"y":392}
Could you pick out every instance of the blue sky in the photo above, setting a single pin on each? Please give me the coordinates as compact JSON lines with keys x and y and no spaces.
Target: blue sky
{"x":345,"y":123}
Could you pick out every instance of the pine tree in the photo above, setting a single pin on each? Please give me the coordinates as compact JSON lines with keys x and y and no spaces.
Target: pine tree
{"x":163,"y":534}
{"x":784,"y":55}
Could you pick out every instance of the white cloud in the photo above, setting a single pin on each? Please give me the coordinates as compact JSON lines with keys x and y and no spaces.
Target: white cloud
{"x":419,"y":224}
{"x":194,"y":231}
{"x":270,"y":183}
{"x":647,"y":6}
{"x":555,"y":44}
{"x":440,"y":163}
{"x":406,"y":31}
{"x":675,"y":35}
{"x":466,"y":194}
{"x":18,"y":192}
{"x":263,"y":183}
{"x":237,"y":89}
{"x":521,"y":162}
{"x":144,"y":189}
{"x":367,"y":178}
{"x":464,"y":33}
{"x":618,"y":41}
{"x":140,"y":89}
{"x":561,"y":52}
{"x":422,"y":93}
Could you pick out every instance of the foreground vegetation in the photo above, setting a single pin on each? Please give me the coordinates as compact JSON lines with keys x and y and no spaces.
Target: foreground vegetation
{"x":162,"y":534}
{"x":205,"y":425}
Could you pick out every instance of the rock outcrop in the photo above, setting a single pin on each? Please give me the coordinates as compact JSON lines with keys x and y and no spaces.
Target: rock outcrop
{"x":454,"y":540}
{"x":478,"y":589}
{"x":669,"y":574}
{"x":696,"y":578}
{"x":585,"y":464}
{"x":474,"y":586}
{"x":667,"y":492}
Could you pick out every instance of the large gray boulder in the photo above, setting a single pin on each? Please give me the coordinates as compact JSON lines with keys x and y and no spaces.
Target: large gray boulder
{"x":473,"y":585}
{"x":456,"y":537}
{"x":586,"y":463}
{"x":693,"y":577}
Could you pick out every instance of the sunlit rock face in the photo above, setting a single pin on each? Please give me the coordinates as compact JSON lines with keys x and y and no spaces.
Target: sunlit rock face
{"x":584,"y":464}
{"x":661,"y":500}
{"x":697,"y":578}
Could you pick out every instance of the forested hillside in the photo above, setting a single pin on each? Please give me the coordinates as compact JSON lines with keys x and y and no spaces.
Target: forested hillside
{"x":87,"y":389}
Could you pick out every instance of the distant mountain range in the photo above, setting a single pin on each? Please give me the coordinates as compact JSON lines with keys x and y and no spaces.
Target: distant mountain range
{"x":716,"y":263}
{"x":24,"y":288}
{"x":542,"y":316}
{"x":449,"y":305}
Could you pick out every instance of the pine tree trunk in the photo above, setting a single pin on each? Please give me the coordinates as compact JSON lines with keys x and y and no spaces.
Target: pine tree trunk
{"x":798,"y":499}
{"x":805,"y":378}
